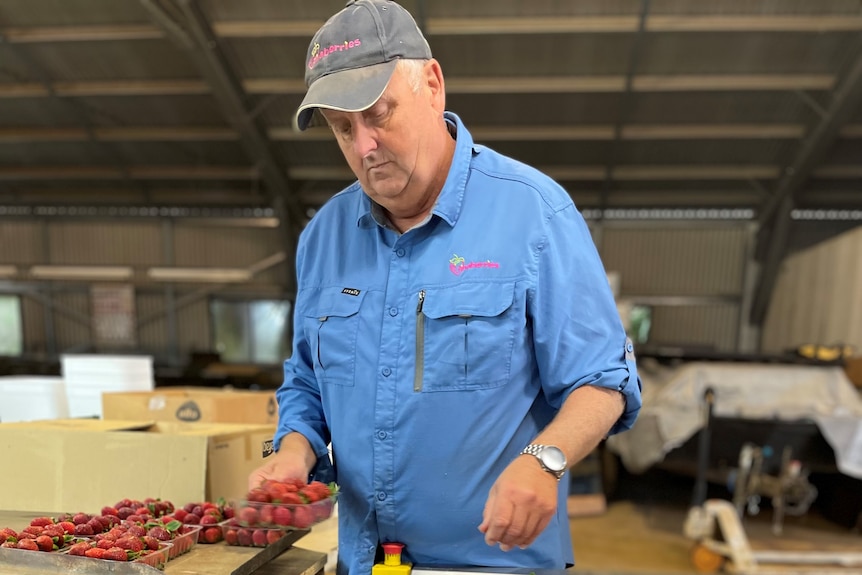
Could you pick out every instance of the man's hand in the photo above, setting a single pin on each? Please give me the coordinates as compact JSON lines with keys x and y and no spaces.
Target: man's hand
{"x":520,"y":505}
{"x":293,"y":460}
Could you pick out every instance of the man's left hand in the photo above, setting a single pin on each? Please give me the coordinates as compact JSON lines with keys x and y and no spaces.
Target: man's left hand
{"x":520,"y":505}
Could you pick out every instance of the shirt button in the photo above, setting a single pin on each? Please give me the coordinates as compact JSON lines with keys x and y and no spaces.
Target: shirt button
{"x":630,"y":348}
{"x":381,"y":496}
{"x":393,"y":311}
{"x":381,"y":434}
{"x":387,"y":372}
{"x":400,"y":252}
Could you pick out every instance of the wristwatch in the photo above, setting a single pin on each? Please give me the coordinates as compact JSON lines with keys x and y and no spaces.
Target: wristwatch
{"x":552,"y":459}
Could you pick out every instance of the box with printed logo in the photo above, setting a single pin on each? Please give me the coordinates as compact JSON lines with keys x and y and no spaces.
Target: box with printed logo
{"x":189,"y":404}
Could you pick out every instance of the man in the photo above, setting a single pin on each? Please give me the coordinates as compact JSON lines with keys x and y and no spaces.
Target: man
{"x":455,"y":336}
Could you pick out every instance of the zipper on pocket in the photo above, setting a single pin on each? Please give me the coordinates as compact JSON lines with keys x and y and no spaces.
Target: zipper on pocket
{"x":420,"y":343}
{"x":322,"y":320}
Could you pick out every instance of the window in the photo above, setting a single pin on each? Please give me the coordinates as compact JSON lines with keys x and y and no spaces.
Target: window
{"x":252,"y":331}
{"x":11,"y":334}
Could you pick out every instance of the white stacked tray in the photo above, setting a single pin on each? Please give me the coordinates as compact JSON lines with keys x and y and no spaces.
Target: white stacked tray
{"x":31,"y":398}
{"x":88,"y":376}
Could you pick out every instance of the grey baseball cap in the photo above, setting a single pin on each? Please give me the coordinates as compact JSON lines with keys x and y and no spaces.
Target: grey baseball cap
{"x":352,"y":57}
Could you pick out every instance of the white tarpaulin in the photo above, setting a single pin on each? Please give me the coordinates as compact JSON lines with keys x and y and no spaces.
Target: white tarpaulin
{"x":674,"y":408}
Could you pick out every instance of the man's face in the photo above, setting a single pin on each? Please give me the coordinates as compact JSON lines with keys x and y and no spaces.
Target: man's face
{"x":393,"y":147}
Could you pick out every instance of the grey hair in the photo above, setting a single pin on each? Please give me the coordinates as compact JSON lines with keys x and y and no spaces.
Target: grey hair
{"x":412,"y":69}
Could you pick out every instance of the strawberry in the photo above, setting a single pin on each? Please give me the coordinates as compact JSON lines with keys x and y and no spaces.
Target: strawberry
{"x":41,"y":522}
{"x":282,"y":516}
{"x":292,"y":499}
{"x":180,"y":514}
{"x":243,"y":537}
{"x":45,"y":543}
{"x":97,"y":525}
{"x":79,"y":518}
{"x":79,"y":548}
{"x":231,"y":537}
{"x":265,"y":515}
{"x":131,"y":543}
{"x":27,"y":544}
{"x":302,"y":517}
{"x":209,"y":519}
{"x":124,"y":512}
{"x":116,"y":554}
{"x":151,"y":542}
{"x":105,"y":543}
{"x":211,"y":535}
{"x":192,"y":519}
{"x":108,"y":510}
{"x":9,"y":545}
{"x":248,"y":516}
{"x":159,"y":533}
{"x":137,"y":530}
{"x":258,"y":537}
{"x":7,"y":534}
{"x":68,"y":527}
{"x":323,"y":509}
{"x":94,"y":553}
{"x":83,"y":529}
{"x":273,"y":535}
{"x":259,"y":495}
{"x":32,"y":530}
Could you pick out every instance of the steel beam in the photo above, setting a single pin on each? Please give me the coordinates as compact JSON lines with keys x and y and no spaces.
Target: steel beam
{"x":775,"y":214}
{"x":195,"y":34}
{"x":625,"y":105}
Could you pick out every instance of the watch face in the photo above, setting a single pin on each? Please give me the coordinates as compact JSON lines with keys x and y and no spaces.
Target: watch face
{"x":553,"y":458}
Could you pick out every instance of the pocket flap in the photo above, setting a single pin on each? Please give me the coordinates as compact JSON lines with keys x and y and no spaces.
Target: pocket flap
{"x":336,"y":302}
{"x":478,"y":299}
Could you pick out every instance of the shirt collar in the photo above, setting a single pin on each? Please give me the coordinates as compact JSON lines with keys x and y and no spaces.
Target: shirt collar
{"x":448,"y":205}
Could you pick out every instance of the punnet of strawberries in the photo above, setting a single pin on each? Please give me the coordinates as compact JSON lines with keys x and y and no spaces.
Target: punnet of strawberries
{"x":286,"y":504}
{"x":151,"y":531}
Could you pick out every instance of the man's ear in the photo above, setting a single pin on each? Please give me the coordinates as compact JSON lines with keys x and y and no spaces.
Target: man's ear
{"x":436,"y":85}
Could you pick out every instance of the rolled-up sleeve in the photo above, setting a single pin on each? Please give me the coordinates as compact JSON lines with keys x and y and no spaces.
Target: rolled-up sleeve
{"x":578,"y":336}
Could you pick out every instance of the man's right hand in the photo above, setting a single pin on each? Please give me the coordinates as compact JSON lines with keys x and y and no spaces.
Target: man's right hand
{"x":293,"y":460}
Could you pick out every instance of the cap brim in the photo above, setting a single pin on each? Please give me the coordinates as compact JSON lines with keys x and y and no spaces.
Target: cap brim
{"x":351,"y":90}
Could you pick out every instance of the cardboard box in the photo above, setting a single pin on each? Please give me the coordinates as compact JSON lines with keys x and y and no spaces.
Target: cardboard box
{"x":853,"y":369}
{"x":192,"y":404}
{"x":71,"y":465}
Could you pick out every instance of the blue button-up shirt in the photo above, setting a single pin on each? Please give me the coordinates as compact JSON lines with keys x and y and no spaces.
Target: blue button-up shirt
{"x":430,"y":359}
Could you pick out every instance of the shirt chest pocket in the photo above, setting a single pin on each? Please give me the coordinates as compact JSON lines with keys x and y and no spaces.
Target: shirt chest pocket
{"x":464,"y":337}
{"x":331,"y":327}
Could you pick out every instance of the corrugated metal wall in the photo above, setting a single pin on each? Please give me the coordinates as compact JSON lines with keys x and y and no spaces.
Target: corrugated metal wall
{"x":64,"y":326}
{"x":818,"y":297}
{"x":128,"y":243}
{"x":701,"y":261}
{"x":692,"y":275}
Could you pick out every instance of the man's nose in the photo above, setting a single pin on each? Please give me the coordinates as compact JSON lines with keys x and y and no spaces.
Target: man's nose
{"x":364,"y":139}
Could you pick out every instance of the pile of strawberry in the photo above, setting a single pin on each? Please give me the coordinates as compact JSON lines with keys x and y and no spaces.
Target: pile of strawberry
{"x":43,"y":534}
{"x":206,"y":514}
{"x":286,"y":504}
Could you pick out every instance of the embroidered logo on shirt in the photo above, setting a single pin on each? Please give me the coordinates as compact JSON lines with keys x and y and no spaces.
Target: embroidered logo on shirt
{"x":351,"y":291}
{"x":458,"y":265}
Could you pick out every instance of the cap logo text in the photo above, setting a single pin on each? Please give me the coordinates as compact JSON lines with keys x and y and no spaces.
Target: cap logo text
{"x":318,"y":53}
